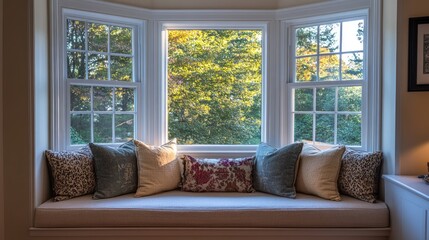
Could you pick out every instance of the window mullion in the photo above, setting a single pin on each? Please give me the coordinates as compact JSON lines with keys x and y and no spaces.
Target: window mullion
{"x":109,"y":76}
{"x":341,"y":52}
{"x":314,"y":115}
{"x":318,"y":53}
{"x":92,"y":113}
{"x":86,"y":51}
{"x":113,"y":114}
{"x":336,"y":116}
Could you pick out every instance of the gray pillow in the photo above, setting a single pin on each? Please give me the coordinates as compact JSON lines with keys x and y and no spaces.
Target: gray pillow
{"x":275,"y":169}
{"x":115,"y":170}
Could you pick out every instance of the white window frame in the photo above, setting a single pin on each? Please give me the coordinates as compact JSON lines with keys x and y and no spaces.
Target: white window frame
{"x":214,"y":149}
{"x":151,"y":120}
{"x":370,"y":82}
{"x":61,"y":86}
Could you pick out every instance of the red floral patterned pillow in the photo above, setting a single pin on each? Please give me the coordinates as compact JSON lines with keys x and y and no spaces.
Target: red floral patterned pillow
{"x":217,"y":175}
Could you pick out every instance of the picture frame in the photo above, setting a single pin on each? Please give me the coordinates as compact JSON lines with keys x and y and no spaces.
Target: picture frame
{"x":418,"y":54}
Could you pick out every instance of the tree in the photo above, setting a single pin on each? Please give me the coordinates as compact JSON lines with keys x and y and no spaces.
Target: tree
{"x":97,"y":51}
{"x":214,"y":86}
{"x":310,"y":66}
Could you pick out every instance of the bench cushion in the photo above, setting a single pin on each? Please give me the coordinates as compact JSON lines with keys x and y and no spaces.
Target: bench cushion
{"x":211,"y":209}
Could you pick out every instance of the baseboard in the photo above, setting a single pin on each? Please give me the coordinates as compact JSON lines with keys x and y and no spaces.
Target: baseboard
{"x":214,"y":233}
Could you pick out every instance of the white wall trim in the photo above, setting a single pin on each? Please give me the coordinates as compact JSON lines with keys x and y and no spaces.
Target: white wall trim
{"x":2,"y":230}
{"x":229,"y":233}
{"x":40,"y":100}
{"x":374,"y":73}
{"x":161,"y":99}
{"x":320,"y":9}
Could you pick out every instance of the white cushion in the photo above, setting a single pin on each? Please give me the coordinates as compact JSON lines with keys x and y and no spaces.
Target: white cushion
{"x":211,"y":209}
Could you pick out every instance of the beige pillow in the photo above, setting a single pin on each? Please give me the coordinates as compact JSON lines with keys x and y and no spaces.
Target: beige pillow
{"x":158,"y":168}
{"x":319,"y":170}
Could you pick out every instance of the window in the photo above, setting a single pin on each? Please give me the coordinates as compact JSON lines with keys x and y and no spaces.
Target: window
{"x":219,"y":83}
{"x":101,"y":80}
{"x":215,"y":86}
{"x":329,"y":75}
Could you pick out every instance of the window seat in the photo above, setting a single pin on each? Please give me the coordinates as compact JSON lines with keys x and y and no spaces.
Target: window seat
{"x":219,"y":210}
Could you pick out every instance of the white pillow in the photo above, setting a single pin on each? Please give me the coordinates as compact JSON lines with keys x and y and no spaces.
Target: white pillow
{"x":318,"y":172}
{"x":158,"y":168}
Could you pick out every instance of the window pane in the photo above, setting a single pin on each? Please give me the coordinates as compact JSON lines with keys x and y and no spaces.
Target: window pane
{"x":75,"y":34}
{"x":80,"y":98}
{"x":352,"y":66}
{"x":325,"y":124}
{"x":121,"y":68}
{"x":329,"y":38}
{"x":97,"y":66}
{"x":349,"y":129}
{"x":329,"y":67}
{"x":120,"y":40}
{"x":303,"y":127}
{"x":325,"y":99}
{"x":350,"y":99}
{"x":306,"y":41}
{"x":214,"y":86}
{"x":306,"y":69}
{"x":103,"y":99}
{"x":304,"y":99}
{"x":353,"y":35}
{"x":97,"y":37}
{"x":103,"y":128}
{"x":76,"y":65}
{"x":124,"y":127}
{"x":80,"y":128}
{"x":124,"y":99}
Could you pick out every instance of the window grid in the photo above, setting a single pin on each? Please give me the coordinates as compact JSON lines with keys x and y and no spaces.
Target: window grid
{"x":113,"y":85}
{"x":323,"y":84}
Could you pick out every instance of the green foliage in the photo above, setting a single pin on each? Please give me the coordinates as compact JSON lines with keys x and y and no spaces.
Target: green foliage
{"x":76,"y":138}
{"x":325,"y":40}
{"x":214,"y":86}
{"x":100,"y":113}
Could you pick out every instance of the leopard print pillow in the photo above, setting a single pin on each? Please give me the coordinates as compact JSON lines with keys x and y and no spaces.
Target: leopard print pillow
{"x":360,"y":174}
{"x":71,"y":172}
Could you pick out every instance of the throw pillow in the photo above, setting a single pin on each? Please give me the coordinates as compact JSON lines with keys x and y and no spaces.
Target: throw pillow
{"x":359,"y":174}
{"x":275,"y":169}
{"x":318,"y":172}
{"x":217,"y":175}
{"x":71,"y":173}
{"x":158,"y":168}
{"x":115,"y":170}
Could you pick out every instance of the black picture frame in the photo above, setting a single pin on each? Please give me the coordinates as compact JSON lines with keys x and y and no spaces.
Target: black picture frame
{"x":418,"y":54}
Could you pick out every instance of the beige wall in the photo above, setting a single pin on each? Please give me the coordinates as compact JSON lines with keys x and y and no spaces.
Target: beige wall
{"x":1,"y":124}
{"x":16,"y":105}
{"x":412,"y":107}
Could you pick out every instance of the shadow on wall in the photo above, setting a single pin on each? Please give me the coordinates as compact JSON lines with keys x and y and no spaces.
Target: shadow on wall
{"x":419,"y":154}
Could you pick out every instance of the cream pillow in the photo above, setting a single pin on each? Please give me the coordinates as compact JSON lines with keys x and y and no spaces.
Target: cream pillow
{"x":319,"y":170}
{"x":158,"y":168}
